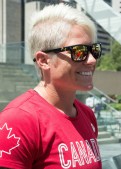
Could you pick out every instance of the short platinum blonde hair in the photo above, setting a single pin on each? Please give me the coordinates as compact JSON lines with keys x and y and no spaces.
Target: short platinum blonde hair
{"x":50,"y":27}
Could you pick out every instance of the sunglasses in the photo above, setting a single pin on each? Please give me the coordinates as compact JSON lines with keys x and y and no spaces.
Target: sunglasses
{"x":79,"y":52}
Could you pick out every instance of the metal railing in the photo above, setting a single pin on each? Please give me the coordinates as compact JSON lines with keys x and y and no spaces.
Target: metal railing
{"x":105,"y":113}
{"x":12,"y":53}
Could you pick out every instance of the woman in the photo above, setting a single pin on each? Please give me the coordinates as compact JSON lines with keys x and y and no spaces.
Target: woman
{"x":49,"y":127}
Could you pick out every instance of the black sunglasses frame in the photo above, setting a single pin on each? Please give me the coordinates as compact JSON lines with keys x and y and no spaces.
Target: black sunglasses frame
{"x":71,"y":49}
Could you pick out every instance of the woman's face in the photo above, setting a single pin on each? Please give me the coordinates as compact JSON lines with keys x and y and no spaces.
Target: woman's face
{"x":69,"y":75}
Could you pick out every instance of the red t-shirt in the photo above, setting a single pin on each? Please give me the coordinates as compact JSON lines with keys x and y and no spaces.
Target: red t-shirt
{"x":35,"y":135}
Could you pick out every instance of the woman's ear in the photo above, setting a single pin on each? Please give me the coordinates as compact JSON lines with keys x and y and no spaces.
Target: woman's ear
{"x":42,"y":60}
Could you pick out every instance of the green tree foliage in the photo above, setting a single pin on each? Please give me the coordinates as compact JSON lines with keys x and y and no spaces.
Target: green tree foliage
{"x":112,"y":60}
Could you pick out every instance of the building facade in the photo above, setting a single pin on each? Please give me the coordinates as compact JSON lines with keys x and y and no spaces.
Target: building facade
{"x":11,"y":30}
{"x":116,"y":4}
{"x":14,"y":21}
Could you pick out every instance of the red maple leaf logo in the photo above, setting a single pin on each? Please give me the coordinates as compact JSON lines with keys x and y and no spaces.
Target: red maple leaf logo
{"x":8,"y":142}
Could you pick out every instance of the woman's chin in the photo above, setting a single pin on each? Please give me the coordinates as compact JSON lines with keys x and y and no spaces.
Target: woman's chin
{"x":86,"y":88}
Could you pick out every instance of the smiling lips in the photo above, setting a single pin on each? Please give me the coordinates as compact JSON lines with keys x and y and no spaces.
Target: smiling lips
{"x":85,"y":73}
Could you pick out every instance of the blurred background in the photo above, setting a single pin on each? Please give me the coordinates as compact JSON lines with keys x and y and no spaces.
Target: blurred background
{"x":18,"y":74}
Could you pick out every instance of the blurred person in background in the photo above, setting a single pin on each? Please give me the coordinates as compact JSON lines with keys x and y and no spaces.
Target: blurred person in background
{"x":47,"y":127}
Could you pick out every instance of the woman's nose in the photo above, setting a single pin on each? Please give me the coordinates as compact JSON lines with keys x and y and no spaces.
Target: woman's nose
{"x":90,"y":60}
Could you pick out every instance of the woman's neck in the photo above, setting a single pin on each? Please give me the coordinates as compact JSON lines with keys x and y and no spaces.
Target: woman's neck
{"x":62,"y":100}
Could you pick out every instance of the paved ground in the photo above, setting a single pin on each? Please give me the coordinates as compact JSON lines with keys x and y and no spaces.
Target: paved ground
{"x":110,"y":150}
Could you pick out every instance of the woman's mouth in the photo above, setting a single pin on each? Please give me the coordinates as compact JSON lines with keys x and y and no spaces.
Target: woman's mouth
{"x":86,"y":73}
